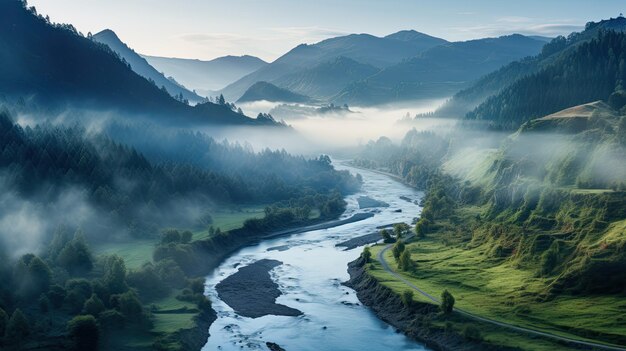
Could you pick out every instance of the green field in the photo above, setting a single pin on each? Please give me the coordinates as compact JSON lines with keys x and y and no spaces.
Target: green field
{"x":171,"y":315}
{"x":505,"y":293}
{"x":135,"y":253}
{"x":139,"y":251}
{"x":231,"y":219}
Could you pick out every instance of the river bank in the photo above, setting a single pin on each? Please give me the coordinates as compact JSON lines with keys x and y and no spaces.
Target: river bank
{"x":420,"y":321}
{"x":213,"y":251}
{"x":310,"y":281}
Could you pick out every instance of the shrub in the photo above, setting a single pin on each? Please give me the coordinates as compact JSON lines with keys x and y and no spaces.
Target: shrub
{"x":447,"y":302}
{"x":84,"y":332}
{"x":366,"y":255}
{"x":397,"y":249}
{"x":93,"y":306}
{"x":407,"y":297}
{"x":405,"y":262}
{"x":470,"y":332}
{"x":387,"y":239}
{"x":111,"y":319}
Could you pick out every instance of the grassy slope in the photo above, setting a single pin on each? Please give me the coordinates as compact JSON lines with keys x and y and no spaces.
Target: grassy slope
{"x":501,"y":291}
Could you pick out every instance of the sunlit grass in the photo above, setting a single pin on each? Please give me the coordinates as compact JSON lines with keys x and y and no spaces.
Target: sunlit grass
{"x":501,"y":291}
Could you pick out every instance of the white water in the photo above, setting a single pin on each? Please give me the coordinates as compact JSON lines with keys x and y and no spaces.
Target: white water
{"x":310,"y":282}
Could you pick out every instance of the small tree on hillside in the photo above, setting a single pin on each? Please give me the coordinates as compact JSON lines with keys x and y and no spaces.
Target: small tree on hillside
{"x":387,"y":239}
{"x":407,"y":297}
{"x":401,"y":229}
{"x":405,"y":262}
{"x":447,"y":302}
{"x":397,"y":249}
{"x":366,"y":255}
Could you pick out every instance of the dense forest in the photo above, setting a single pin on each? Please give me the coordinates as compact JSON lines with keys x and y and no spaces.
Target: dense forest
{"x":84,"y":300}
{"x":593,"y":71}
{"x":55,"y":66}
{"x":554,"y":53}
{"x":43,"y":161}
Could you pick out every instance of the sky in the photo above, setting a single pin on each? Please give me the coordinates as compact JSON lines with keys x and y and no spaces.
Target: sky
{"x":206,"y":29}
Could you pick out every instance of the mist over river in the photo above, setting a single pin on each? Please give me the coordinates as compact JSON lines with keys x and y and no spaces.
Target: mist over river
{"x":310,"y":281}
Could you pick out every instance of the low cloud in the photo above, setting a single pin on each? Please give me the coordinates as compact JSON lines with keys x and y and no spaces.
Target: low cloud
{"x":522,"y":25}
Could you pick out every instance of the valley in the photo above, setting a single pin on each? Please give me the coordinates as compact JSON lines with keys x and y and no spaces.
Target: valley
{"x":278,"y":176}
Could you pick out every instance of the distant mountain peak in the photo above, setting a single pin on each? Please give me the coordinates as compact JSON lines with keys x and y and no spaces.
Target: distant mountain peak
{"x":140,"y":66}
{"x":412,"y":35}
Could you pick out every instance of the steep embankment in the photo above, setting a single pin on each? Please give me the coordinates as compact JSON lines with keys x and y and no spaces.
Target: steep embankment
{"x":419,"y":320}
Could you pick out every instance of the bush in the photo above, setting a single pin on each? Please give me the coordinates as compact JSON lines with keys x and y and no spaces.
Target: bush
{"x":76,"y":257}
{"x":111,"y":319}
{"x":401,"y":229}
{"x":447,"y":302}
{"x":148,"y":281}
{"x":397,"y":249}
{"x":472,"y":333}
{"x":387,"y":239}
{"x":407,"y":297}
{"x":84,"y":332}
{"x":93,"y":306}
{"x":422,"y":227}
{"x":366,"y":255}
{"x":405,"y":262}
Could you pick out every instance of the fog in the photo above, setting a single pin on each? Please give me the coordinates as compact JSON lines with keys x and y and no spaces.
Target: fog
{"x":27,"y":224}
{"x":332,"y":132}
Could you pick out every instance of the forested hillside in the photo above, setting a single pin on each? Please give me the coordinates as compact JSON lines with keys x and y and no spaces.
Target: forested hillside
{"x":592,"y":71}
{"x":556,"y":52}
{"x":45,"y":160}
{"x":53,"y":66}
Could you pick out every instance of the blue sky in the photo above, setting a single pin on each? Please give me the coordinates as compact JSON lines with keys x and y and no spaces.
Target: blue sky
{"x":206,"y":29}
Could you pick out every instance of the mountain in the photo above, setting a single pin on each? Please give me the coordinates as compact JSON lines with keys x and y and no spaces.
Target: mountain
{"x":326,"y":79}
{"x":269,"y":92}
{"x":592,"y":70}
{"x":439,"y":71}
{"x":363,"y":48}
{"x":53,"y":66}
{"x":142,"y":67}
{"x":468,"y":99}
{"x":205,"y":77}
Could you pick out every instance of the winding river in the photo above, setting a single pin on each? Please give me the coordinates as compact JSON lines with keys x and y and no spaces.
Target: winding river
{"x":310,"y":281}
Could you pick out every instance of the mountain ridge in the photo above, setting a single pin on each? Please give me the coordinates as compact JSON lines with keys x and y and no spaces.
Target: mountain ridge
{"x":141,"y":66}
{"x":207,"y":76}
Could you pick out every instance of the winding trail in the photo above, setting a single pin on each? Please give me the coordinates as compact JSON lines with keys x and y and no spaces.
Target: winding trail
{"x":383,"y":262}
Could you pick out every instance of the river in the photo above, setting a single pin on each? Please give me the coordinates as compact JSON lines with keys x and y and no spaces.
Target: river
{"x":310,"y":281}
